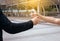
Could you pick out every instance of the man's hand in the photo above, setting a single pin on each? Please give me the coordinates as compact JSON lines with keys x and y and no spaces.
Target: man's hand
{"x":36,"y":20}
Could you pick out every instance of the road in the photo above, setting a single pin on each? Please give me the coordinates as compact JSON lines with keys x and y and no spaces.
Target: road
{"x":40,"y":32}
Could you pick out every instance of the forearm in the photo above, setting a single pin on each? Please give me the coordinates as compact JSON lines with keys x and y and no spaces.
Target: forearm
{"x":18,"y":27}
{"x":14,"y":27}
{"x":50,"y":19}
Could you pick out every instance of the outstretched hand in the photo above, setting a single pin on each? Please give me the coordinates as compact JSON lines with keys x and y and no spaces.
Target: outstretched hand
{"x":36,"y":18}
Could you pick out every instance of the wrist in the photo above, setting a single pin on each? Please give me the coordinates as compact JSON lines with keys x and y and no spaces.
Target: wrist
{"x":33,"y":22}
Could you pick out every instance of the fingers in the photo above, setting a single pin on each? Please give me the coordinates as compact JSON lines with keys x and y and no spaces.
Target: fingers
{"x":36,"y":20}
{"x":33,"y":15}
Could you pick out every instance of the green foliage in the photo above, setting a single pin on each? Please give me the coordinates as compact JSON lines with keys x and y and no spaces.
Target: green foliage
{"x":51,"y":8}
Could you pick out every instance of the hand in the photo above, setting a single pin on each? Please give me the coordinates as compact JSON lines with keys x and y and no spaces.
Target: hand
{"x":36,"y":20}
{"x":34,"y":15}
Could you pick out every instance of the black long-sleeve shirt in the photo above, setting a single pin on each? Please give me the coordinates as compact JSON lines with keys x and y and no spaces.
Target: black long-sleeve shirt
{"x":12,"y":28}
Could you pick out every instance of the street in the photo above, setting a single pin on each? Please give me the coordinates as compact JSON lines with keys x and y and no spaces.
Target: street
{"x":40,"y":32}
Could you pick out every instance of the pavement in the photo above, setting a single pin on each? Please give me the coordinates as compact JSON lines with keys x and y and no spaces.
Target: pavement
{"x":40,"y":32}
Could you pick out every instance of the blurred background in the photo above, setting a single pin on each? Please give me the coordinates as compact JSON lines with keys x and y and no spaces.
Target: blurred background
{"x":22,"y":8}
{"x":19,"y":11}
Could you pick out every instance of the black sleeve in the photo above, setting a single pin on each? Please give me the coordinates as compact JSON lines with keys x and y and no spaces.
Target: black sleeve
{"x":13,"y":27}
